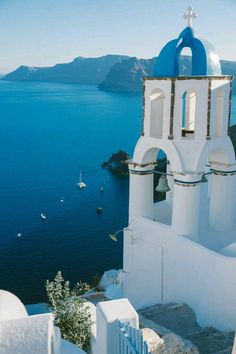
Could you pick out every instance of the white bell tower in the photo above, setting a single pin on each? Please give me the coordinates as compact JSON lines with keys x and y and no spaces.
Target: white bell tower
{"x":168,"y":244}
{"x":187,"y":118}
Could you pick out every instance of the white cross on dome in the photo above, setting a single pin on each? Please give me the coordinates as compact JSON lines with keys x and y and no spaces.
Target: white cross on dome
{"x":189,"y":16}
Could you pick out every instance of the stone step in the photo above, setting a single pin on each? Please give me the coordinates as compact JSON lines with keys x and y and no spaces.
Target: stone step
{"x":169,"y":320}
{"x":179,"y":318}
{"x":210,"y":340}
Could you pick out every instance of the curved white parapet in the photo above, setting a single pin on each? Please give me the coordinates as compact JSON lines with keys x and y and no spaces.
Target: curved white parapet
{"x":34,"y":334}
{"x":11,"y":307}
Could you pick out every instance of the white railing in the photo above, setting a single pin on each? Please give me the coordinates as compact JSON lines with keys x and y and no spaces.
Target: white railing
{"x":131,"y":340}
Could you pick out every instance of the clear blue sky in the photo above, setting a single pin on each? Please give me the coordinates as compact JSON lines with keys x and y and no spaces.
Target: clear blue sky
{"x":46,"y":32}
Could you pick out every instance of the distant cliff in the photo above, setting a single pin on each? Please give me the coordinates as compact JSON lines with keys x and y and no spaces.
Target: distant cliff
{"x":229,"y":68}
{"x":127,"y":75}
{"x":80,"y":70}
{"x":110,"y":72}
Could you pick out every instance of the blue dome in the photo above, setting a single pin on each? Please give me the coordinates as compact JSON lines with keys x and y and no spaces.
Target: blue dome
{"x":205,"y":60}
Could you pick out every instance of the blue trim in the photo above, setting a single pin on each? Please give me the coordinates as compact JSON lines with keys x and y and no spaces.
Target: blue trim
{"x":223,"y":172}
{"x":205,"y":60}
{"x":187,"y":183}
{"x":141,"y":173}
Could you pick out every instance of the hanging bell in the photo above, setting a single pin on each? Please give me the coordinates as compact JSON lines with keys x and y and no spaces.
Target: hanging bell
{"x":204,"y":179}
{"x":162,"y":186}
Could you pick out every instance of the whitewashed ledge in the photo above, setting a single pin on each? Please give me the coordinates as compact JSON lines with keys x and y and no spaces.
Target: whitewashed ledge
{"x":66,"y":347}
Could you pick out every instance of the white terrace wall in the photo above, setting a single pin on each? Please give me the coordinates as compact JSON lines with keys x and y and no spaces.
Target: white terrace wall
{"x":161,"y":267}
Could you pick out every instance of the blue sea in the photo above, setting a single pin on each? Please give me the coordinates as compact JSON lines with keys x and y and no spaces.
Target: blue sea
{"x":48,"y":134}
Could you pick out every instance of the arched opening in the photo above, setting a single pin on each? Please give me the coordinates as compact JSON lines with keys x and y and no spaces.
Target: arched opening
{"x":185,"y":62}
{"x":157,"y":98}
{"x":162,"y":190}
{"x":220,"y":97}
{"x":189,"y":102}
{"x":162,"y":168}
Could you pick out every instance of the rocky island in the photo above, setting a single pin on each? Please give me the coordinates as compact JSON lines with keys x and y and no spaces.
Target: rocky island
{"x":117,"y":163}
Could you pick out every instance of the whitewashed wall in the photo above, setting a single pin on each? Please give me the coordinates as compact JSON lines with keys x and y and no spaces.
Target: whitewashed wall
{"x":163,"y":267}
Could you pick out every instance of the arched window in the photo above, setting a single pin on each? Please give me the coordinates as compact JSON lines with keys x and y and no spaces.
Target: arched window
{"x":156,"y":113}
{"x":189,"y":101}
{"x":185,"y":62}
{"x":162,"y":188}
{"x":219,"y":112}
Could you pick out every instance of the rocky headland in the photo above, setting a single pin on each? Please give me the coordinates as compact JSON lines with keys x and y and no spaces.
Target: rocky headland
{"x":109,"y":72}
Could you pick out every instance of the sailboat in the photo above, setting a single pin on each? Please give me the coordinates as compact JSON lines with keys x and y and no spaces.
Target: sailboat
{"x":43,"y":216}
{"x":81,"y":184}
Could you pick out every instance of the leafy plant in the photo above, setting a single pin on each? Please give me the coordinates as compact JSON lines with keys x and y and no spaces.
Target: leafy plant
{"x":95,"y":282}
{"x":70,"y":312}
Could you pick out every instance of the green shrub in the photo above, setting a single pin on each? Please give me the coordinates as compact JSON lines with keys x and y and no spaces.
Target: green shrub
{"x":70,"y":312}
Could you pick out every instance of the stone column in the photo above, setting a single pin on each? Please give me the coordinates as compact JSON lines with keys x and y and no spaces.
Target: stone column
{"x":141,"y":190}
{"x":170,"y":181}
{"x":186,"y":204}
{"x":222,"y":199}
{"x":205,"y":187}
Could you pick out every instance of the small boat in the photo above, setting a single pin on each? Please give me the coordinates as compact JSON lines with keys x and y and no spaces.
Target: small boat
{"x":62,"y":200}
{"x":99,"y":210}
{"x":101,"y":190}
{"x":19,"y":234}
{"x":81,"y":184}
{"x":43,"y":216}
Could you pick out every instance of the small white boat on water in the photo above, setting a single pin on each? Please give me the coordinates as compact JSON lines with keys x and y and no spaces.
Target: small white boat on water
{"x":113,"y":237}
{"x":62,"y":200}
{"x":19,"y":234}
{"x":81,"y":184}
{"x":43,"y":216}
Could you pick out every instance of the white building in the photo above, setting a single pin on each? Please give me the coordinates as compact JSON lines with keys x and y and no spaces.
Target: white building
{"x":183,"y":248}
